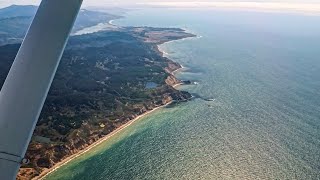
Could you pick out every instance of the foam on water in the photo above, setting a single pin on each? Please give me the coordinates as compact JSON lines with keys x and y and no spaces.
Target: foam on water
{"x":263,"y":71}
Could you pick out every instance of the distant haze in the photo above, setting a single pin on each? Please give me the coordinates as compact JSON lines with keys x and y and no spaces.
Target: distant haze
{"x":306,"y":6}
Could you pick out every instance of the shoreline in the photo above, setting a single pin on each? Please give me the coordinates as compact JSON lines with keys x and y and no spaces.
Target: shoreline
{"x":64,"y":162}
{"x":72,"y":157}
{"x":111,"y":22}
{"x":167,"y":55}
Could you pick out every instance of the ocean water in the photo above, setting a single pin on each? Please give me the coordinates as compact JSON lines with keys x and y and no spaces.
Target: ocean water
{"x":263,"y":72}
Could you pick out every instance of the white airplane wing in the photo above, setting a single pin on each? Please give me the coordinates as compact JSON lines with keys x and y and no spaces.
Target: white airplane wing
{"x":30,"y":77}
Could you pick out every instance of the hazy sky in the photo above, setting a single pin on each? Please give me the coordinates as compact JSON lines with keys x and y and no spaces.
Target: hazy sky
{"x":309,"y":6}
{"x":120,"y":2}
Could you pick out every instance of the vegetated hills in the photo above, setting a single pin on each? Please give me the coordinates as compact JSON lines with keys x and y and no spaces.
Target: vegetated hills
{"x":87,"y":18}
{"x":100,"y":85}
{"x":13,"y":30}
{"x":15,"y":20}
{"x":112,"y":10}
{"x":7,"y":55}
{"x":18,"y":10}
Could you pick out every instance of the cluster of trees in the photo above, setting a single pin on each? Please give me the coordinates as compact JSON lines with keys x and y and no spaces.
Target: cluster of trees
{"x":84,"y":93}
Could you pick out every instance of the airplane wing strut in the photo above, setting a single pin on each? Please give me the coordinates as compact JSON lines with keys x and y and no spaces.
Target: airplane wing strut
{"x":26,"y":87}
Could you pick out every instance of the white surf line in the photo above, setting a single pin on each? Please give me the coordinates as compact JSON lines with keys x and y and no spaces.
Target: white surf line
{"x":47,"y":172}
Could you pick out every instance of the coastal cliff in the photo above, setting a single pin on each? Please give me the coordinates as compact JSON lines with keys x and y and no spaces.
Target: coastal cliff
{"x":101,"y":85}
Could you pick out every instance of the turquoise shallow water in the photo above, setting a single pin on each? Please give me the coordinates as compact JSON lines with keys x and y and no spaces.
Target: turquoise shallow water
{"x":262,"y":69}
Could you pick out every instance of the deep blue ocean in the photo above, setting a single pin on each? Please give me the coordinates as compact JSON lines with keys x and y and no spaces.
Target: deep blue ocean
{"x":263,"y":72}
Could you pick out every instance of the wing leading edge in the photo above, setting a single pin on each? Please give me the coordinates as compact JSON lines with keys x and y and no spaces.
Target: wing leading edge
{"x":30,"y":77}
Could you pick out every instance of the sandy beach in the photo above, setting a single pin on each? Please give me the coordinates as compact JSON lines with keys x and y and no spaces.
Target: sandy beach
{"x":100,"y":141}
